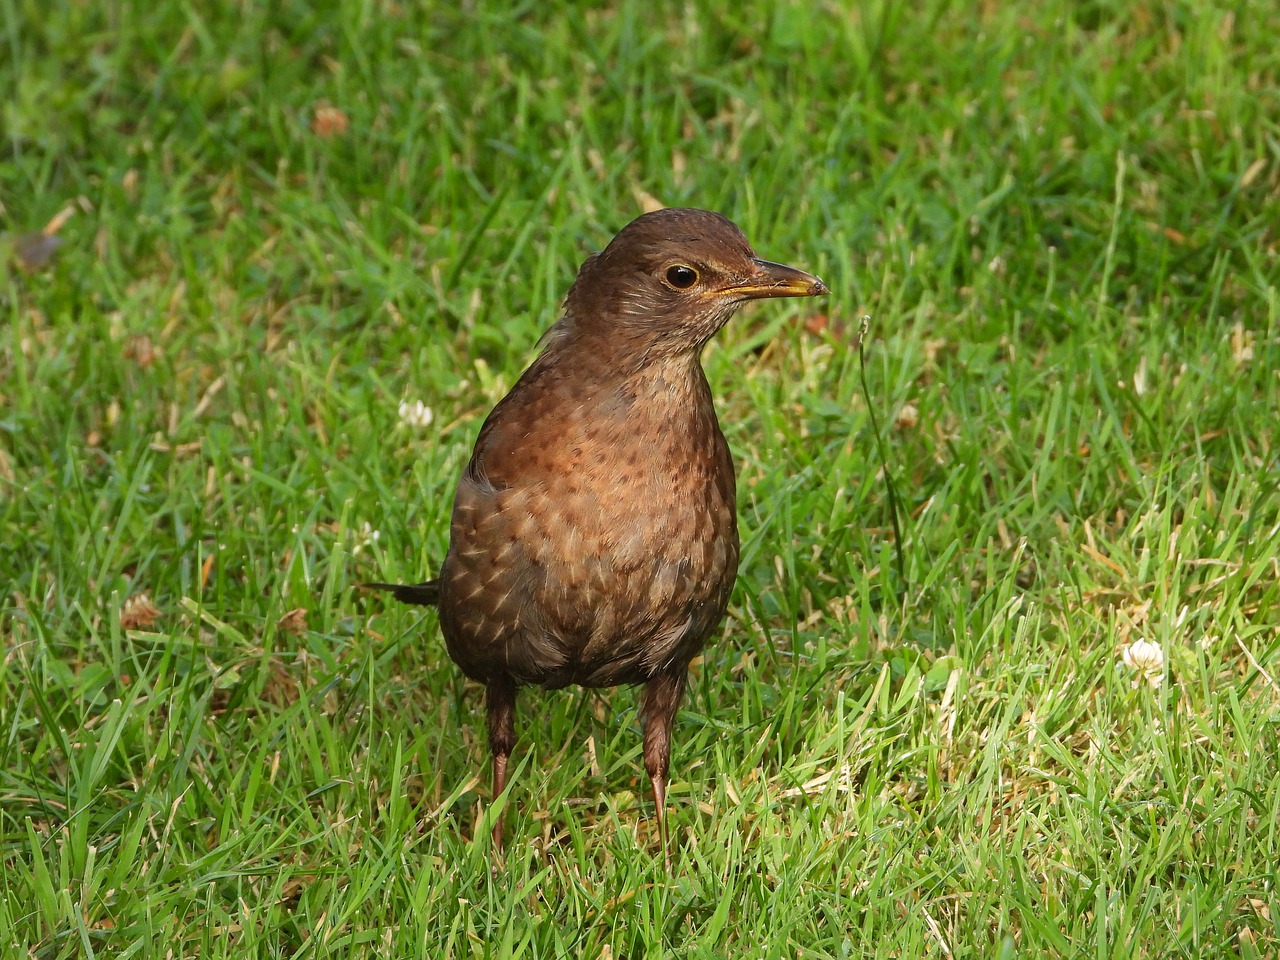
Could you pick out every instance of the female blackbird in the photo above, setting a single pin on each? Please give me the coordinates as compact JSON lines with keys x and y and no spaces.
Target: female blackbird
{"x":594,"y":538}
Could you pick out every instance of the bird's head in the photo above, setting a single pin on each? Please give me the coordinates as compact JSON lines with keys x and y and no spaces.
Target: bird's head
{"x":670,"y":279}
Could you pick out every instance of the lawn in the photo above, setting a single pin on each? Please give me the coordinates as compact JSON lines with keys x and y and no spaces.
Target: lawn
{"x":279,"y":223}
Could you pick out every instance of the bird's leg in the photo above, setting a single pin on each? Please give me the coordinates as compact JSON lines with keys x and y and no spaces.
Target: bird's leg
{"x":661,"y":697}
{"x":500,"y":704}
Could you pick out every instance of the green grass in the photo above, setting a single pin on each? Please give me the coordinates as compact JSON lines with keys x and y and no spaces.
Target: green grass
{"x":1064,"y":221}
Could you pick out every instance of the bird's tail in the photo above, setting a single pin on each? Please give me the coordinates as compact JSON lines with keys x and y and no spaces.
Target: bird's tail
{"x":425,"y":594}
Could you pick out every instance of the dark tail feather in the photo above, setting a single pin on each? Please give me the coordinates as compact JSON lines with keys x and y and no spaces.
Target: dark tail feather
{"x":426,"y":594}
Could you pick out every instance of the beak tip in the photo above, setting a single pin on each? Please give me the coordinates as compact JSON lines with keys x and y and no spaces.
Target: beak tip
{"x":819,"y":288}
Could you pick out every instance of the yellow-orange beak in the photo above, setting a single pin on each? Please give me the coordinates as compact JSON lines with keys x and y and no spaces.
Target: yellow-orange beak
{"x":775,"y":280}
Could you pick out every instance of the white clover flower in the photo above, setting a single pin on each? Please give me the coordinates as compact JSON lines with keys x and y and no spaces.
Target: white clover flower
{"x":364,"y":537}
{"x":1147,"y":659}
{"x":415,"y":414}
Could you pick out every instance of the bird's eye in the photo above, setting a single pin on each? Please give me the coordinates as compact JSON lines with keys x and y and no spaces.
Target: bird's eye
{"x":682,"y":277}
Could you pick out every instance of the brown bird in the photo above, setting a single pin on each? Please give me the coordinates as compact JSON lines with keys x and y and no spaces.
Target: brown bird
{"x":594,"y":537}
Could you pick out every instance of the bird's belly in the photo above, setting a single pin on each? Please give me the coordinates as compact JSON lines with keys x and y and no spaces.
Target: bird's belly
{"x":640,"y":593}
{"x":583,"y":588}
